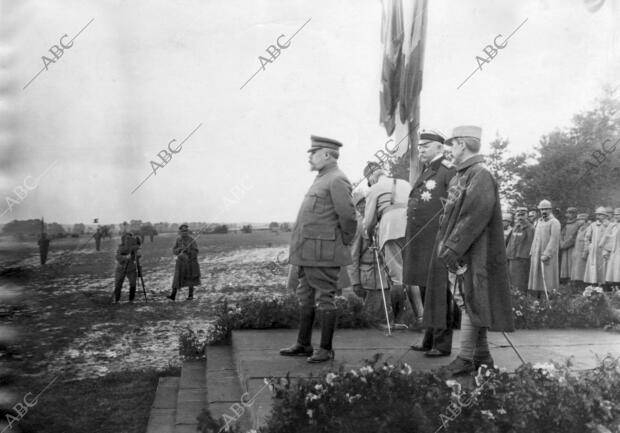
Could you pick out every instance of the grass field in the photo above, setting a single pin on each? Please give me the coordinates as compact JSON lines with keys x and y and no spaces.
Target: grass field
{"x":104,"y":359}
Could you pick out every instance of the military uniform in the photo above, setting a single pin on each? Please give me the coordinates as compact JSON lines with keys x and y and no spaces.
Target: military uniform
{"x":567,"y":245}
{"x":187,"y":269}
{"x":545,"y":276}
{"x":324,"y":228}
{"x":518,"y":252}
{"x":578,"y":266}
{"x":594,"y":239}
{"x":44,"y":245}
{"x":611,"y":250}
{"x":98,"y":235}
{"x":126,"y":255}
{"x":423,"y":213}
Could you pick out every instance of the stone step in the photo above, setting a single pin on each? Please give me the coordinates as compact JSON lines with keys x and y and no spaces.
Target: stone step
{"x":225,"y":391}
{"x":163,"y":410}
{"x":191,"y":396}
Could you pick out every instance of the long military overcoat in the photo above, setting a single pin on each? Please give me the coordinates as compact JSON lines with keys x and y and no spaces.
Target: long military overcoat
{"x":471,"y":226}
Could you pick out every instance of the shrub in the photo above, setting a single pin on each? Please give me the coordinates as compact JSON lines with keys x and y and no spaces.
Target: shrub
{"x":192,"y":344}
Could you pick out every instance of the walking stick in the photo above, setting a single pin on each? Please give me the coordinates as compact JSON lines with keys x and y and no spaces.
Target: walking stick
{"x":513,"y":347}
{"x":387,"y":316}
{"x":542,"y":271}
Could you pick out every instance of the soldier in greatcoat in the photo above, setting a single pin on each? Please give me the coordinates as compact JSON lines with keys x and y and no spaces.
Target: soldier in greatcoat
{"x":127,"y":254}
{"x":567,"y":243}
{"x":544,"y":266}
{"x":594,"y":239}
{"x":578,"y":266}
{"x":386,"y":210}
{"x":44,"y":246}
{"x":518,"y":250}
{"x":423,"y":213}
{"x":470,"y":244}
{"x":320,"y":240}
{"x":611,"y":251}
{"x":187,"y":269}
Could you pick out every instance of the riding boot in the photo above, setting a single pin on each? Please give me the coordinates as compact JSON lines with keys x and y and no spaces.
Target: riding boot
{"x":172,"y":295}
{"x":191,"y":293}
{"x":303,"y":346}
{"x":328,"y":325}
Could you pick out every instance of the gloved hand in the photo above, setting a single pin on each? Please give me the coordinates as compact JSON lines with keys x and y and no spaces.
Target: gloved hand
{"x":584,"y":256}
{"x":358,"y":290}
{"x":449,"y":259}
{"x":545,"y":259}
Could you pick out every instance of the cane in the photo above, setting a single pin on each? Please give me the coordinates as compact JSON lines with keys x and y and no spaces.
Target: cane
{"x":542,"y":271}
{"x":387,"y":316}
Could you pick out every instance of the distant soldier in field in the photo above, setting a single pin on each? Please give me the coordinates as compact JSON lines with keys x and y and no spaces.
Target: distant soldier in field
{"x":424,"y":210}
{"x":567,"y":243}
{"x":544,"y":269}
{"x":187,"y":269}
{"x":98,"y":235}
{"x":578,"y":266}
{"x":44,"y":245}
{"x":126,"y":256}
{"x":518,"y":250}
{"x":386,"y":211}
{"x":325,"y":226}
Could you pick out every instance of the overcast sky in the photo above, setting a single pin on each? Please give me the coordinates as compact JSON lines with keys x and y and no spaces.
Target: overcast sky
{"x":144,"y":73}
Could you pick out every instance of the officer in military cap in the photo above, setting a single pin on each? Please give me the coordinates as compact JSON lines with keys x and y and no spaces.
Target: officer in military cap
{"x":423,"y":215}
{"x":324,"y":229}
{"x":187,"y":269}
{"x":126,"y":255}
{"x":544,"y":266}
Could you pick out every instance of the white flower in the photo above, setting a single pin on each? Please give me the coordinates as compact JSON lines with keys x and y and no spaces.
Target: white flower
{"x":366,"y":369}
{"x":407,"y":370}
{"x":318,"y":387}
{"x":426,"y":196}
{"x":329,"y":378}
{"x":430,"y":184}
{"x":354,"y":373}
{"x":487,"y":413}
{"x":310,"y":412}
{"x":501,"y":411}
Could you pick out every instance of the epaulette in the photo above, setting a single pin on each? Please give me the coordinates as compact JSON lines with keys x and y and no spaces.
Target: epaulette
{"x":446,"y":163}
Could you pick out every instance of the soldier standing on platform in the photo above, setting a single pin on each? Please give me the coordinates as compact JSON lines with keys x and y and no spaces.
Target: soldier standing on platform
{"x":470,"y":245}
{"x":423,"y":214}
{"x":567,"y":243}
{"x":44,"y":246}
{"x":544,"y":267}
{"x":324,"y":228}
{"x":611,"y":251}
{"x":126,"y":255}
{"x":578,"y":266}
{"x":518,"y":250}
{"x":187,"y":269}
{"x":386,"y":211}
{"x":593,"y":251}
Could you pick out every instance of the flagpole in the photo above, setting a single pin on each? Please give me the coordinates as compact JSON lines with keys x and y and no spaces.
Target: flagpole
{"x":415,"y":167}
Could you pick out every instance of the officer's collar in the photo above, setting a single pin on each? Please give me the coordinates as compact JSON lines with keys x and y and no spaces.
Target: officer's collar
{"x":469,"y":162}
{"x":328,"y":167}
{"x":434,"y":163}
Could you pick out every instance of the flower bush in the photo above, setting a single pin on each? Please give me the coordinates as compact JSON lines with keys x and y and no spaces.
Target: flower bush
{"x":192,"y":344}
{"x":388,"y":398}
{"x":276,"y":311}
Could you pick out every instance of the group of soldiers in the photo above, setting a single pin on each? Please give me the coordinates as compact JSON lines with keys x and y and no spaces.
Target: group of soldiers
{"x":541,"y":253}
{"x":438,"y":244}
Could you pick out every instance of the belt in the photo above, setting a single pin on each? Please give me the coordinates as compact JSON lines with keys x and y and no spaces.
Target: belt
{"x":394,"y":207}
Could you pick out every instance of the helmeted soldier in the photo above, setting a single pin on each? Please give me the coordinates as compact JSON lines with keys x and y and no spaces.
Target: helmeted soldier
{"x":187,"y":269}
{"x":593,"y":252}
{"x":424,"y":210}
{"x":324,"y":229}
{"x":386,"y":212}
{"x":126,"y":255}
{"x":567,"y":243}
{"x":518,"y":250}
{"x":367,"y":279}
{"x":44,"y":245}
{"x":611,"y":251}
{"x":578,"y":266}
{"x":544,"y":267}
{"x":470,"y":244}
